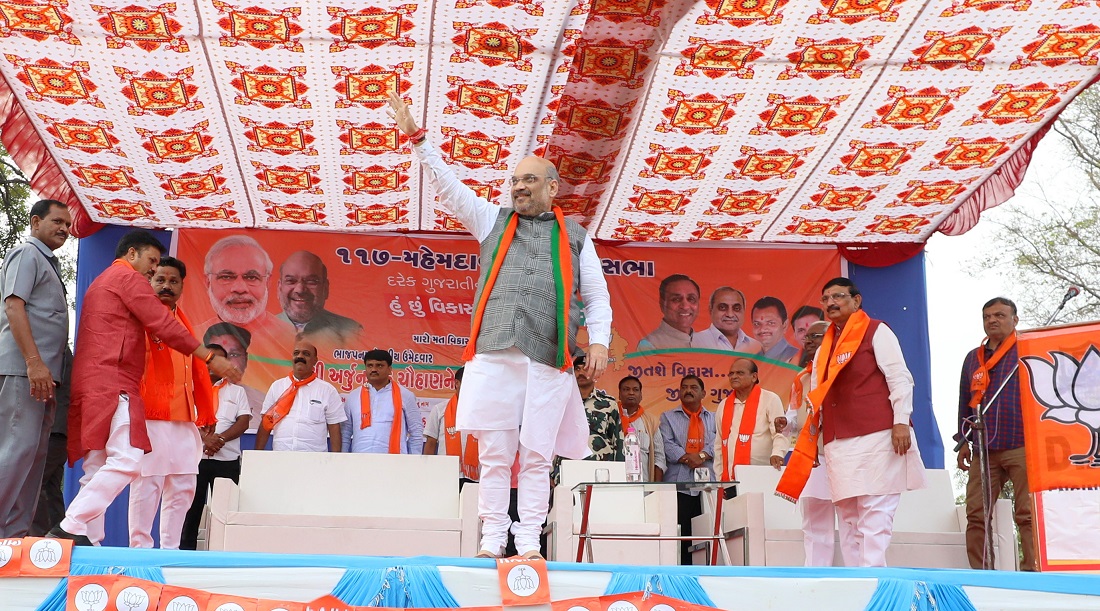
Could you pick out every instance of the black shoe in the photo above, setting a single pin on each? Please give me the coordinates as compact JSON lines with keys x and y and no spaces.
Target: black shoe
{"x":59,"y":533}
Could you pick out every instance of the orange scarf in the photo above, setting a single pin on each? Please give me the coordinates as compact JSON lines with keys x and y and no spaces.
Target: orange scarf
{"x":159,"y":382}
{"x":562,"y":257}
{"x":831,"y":358}
{"x":742,"y":453}
{"x":471,"y":467}
{"x":627,"y":419}
{"x":979,"y":382}
{"x":696,"y":434}
{"x":397,"y":428}
{"x":282,"y":407}
{"x":798,"y":389}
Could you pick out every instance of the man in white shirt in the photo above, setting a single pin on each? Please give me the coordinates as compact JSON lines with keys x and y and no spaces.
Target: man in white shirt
{"x":221,"y":447}
{"x":382,"y":416}
{"x":441,"y":426}
{"x":301,"y":409}
{"x":727,"y":309}
{"x":754,"y":442}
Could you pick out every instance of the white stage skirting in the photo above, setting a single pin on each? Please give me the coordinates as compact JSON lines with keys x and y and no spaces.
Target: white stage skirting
{"x":473,"y":582}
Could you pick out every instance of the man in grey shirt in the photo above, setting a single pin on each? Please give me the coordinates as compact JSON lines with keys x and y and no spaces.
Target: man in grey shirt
{"x":34,"y":331}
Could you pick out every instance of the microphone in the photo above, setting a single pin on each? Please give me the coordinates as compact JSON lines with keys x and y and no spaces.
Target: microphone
{"x":1071,"y":292}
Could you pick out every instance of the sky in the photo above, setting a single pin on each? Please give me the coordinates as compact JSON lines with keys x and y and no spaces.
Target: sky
{"x":956,"y":294}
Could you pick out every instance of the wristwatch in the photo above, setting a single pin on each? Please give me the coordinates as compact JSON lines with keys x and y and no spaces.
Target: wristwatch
{"x":703,"y":455}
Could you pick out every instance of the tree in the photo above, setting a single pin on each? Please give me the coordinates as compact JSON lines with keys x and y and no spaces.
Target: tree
{"x":1056,"y":244}
{"x":15,"y":190}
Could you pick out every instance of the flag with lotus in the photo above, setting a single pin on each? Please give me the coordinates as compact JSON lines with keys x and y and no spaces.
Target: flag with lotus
{"x":1060,"y":398}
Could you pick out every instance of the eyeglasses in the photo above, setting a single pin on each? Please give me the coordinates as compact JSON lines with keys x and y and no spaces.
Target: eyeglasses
{"x":834,"y":297}
{"x":527,"y":179}
{"x":250,"y":278}
{"x":310,"y":282}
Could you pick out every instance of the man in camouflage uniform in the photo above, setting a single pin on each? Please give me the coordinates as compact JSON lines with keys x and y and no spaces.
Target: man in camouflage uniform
{"x":605,"y":424}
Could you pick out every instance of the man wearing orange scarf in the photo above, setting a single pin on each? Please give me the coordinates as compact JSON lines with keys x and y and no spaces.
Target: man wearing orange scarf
{"x":750,"y":424}
{"x":864,"y":393}
{"x":647,"y":426}
{"x":382,"y":416}
{"x":301,"y":411}
{"x":520,"y":393}
{"x":107,"y":413}
{"x":984,"y":370}
{"x":688,"y":432}
{"x":178,"y":399}
{"x":441,"y":427}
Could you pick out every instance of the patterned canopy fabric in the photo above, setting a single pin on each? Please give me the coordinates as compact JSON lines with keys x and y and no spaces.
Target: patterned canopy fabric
{"x":670,"y":121}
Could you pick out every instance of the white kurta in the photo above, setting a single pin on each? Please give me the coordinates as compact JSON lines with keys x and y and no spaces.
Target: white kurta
{"x":765,"y":441}
{"x":867,"y":465}
{"x":495,"y":398}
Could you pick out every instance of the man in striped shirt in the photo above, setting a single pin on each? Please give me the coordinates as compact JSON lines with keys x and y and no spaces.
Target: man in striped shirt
{"x":688,"y":432}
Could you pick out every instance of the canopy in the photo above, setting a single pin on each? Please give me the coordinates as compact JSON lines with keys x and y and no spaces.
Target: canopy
{"x":767,"y":120}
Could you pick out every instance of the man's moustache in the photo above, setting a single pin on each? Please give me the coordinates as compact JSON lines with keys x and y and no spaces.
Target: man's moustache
{"x":166,"y":292}
{"x":302,"y":361}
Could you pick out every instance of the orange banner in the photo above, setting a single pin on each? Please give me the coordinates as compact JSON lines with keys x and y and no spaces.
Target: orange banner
{"x":1060,"y":380}
{"x":414,"y":296}
{"x":1060,"y":377}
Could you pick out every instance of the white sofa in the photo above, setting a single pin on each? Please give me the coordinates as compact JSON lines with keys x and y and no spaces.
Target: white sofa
{"x":929,"y":529}
{"x":325,"y":503}
{"x":614,"y":511}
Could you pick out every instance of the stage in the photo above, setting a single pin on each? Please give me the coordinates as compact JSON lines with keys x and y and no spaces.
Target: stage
{"x":462,"y":582}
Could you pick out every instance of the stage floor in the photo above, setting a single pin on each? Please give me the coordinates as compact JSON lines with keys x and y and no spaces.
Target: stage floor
{"x":474,"y":582}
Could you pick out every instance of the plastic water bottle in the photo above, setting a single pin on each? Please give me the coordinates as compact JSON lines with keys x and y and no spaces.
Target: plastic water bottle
{"x":633,"y":450}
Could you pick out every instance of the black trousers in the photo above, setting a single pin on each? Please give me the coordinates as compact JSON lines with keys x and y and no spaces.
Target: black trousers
{"x":209,"y":469}
{"x":687,"y":507}
{"x":51,"y":498}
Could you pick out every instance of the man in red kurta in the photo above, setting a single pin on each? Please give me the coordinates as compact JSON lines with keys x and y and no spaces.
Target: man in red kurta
{"x":178,"y":399}
{"x":107,"y":414}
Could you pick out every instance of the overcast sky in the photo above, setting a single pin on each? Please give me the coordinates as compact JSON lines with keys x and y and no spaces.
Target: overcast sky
{"x":955,"y":296}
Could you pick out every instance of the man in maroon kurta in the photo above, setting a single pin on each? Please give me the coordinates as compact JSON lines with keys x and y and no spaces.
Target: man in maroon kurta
{"x":107,"y":415}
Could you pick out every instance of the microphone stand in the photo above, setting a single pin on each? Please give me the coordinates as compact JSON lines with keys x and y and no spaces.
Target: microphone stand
{"x":981,"y":446}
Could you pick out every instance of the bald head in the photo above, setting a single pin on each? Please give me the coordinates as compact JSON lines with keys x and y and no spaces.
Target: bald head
{"x":534,"y":186}
{"x":814,"y":335}
{"x":303,"y":286}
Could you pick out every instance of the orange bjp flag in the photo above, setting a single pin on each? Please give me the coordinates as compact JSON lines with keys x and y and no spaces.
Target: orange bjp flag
{"x":1060,"y":398}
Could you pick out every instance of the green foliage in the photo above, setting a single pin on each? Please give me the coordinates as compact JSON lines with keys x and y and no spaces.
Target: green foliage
{"x":15,"y":190}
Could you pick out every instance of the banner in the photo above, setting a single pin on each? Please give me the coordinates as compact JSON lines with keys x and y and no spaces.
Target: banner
{"x":677,"y":310}
{"x":1060,"y":379}
{"x":120,"y":593}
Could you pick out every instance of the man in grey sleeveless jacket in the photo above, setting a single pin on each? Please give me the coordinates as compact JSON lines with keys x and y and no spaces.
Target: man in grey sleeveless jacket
{"x":518,"y":391}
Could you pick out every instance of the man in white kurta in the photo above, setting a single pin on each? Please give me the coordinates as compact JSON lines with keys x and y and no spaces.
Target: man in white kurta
{"x":312,"y":423}
{"x":867,"y":471}
{"x":513,"y":399}
{"x":767,"y":443}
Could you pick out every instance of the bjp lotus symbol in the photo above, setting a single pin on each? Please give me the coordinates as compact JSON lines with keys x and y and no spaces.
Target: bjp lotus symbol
{"x":1070,"y":391}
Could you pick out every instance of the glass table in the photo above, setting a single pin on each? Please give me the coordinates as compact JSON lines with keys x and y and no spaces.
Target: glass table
{"x":713,"y":495}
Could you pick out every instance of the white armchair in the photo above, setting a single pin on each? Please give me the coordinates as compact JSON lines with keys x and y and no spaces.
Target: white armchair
{"x":620,"y":511}
{"x":929,"y":529}
{"x":325,"y":503}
